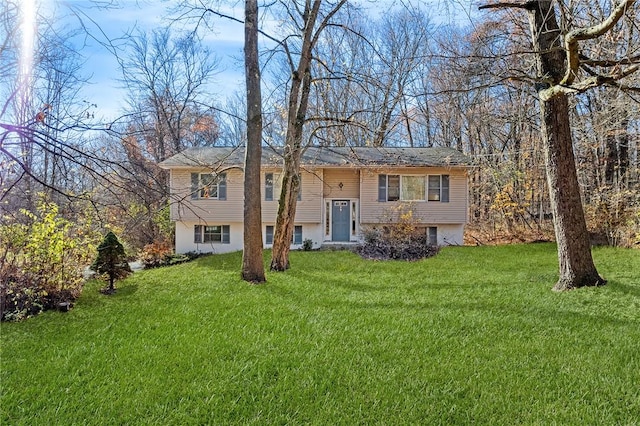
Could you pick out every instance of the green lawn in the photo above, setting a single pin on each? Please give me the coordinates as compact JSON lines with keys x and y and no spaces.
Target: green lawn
{"x":472,"y":336}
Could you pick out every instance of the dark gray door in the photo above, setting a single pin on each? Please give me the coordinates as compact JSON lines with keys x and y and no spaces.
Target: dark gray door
{"x":340,"y":218}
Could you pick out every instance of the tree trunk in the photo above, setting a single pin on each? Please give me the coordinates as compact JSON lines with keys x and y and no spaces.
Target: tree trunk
{"x":296,"y":114}
{"x":574,"y":249}
{"x":252,"y":259}
{"x":285,"y":221}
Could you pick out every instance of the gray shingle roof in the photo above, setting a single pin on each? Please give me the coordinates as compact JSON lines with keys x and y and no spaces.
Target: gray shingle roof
{"x":322,"y":156}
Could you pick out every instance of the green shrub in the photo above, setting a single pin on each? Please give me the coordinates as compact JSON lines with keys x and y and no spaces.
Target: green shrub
{"x":307,"y":244}
{"x":111,"y":261}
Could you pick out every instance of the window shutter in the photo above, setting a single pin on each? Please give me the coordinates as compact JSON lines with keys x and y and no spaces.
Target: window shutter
{"x":300,"y":187}
{"x":195,"y":185}
{"x":197,"y":234}
{"x":226,"y":238}
{"x":382,"y":187}
{"x":444,"y":195}
{"x":222,"y":186}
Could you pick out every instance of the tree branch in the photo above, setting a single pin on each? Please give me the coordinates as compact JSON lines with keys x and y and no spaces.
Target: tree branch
{"x":588,"y":33}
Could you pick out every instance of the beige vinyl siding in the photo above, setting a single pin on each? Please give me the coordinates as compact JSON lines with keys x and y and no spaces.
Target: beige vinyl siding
{"x":185,"y":209}
{"x":455,"y":211}
{"x":308,"y":209}
{"x":350,"y":179}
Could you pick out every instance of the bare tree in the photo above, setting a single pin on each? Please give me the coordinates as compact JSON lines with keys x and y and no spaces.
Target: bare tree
{"x":565,"y":66}
{"x":252,"y":261}
{"x":299,"y":56}
{"x":41,"y":115}
{"x":167,"y":78}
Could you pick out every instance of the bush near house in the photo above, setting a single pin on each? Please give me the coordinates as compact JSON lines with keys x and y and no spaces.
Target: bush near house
{"x":401,"y":238}
{"x":384,"y":244}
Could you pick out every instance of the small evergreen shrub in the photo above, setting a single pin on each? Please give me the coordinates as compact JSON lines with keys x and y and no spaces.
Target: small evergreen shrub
{"x":111,"y":261}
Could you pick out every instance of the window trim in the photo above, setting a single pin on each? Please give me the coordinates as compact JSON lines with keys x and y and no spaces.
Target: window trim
{"x":384,"y":185}
{"x":198,"y":188}
{"x":199,"y":232}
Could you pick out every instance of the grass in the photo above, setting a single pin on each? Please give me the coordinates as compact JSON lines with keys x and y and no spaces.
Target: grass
{"x":472,"y":336}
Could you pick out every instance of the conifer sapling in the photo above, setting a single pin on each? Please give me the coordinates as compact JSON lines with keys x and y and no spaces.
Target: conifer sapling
{"x":111,"y":261}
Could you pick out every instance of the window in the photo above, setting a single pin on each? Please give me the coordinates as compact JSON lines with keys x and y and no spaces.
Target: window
{"x":211,"y":234}
{"x":269,"y":235}
{"x":209,"y":185}
{"x":397,"y":187}
{"x":438,"y":188}
{"x":412,"y":188}
{"x":268,"y":189}
{"x":297,"y":235}
{"x":274,"y":184}
{"x":432,"y":235}
{"x":296,"y":239}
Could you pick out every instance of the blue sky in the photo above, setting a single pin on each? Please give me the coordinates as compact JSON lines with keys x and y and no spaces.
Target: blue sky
{"x":226,"y":40}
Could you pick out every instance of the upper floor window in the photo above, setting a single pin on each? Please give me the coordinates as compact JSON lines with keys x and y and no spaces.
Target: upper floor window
{"x":438,"y":188}
{"x":268,"y":186}
{"x":273,"y":183}
{"x":209,"y":186}
{"x":413,"y":188}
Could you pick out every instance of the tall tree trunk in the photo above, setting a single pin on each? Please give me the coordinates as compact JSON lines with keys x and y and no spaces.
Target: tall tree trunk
{"x":296,"y":114}
{"x":574,"y":249}
{"x":252,"y":260}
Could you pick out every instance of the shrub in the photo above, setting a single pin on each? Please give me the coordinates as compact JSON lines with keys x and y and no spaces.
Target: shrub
{"x":385,"y":244}
{"x":158,"y":253}
{"x":307,"y":244}
{"x":41,"y":261}
{"x":111,"y":261}
{"x":402,"y":237}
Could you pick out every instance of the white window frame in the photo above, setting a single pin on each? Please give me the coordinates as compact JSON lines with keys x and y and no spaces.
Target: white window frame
{"x":202,"y":231}
{"x":213,"y":187}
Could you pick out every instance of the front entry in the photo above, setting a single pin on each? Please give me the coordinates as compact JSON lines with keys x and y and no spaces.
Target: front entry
{"x":340,"y":220}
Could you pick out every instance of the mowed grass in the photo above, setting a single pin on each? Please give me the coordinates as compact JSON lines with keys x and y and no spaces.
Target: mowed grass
{"x":472,"y":336}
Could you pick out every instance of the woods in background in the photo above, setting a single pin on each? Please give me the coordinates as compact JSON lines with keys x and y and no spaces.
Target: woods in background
{"x":398,"y":79}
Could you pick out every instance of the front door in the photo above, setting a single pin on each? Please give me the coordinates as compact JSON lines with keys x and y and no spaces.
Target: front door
{"x":340,"y":218}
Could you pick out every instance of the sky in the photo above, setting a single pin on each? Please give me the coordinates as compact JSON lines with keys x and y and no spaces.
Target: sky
{"x":226,"y":40}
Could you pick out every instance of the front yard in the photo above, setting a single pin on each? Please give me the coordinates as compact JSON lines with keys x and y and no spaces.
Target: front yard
{"x":471,"y":336}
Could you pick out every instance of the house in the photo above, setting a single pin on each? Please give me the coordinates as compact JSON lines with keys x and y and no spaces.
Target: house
{"x":344,"y":191}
